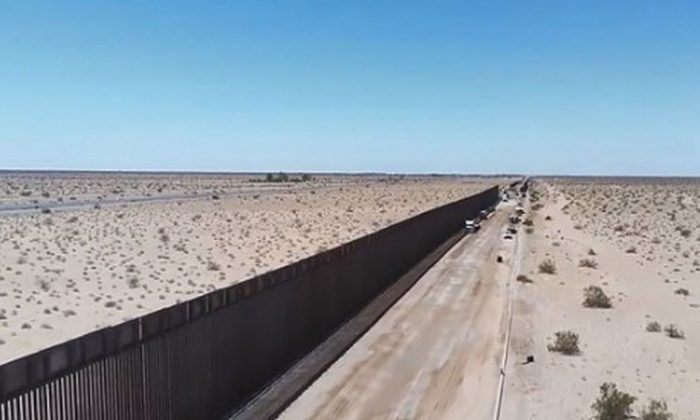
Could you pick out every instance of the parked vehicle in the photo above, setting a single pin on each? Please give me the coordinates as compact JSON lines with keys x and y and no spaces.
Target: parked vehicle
{"x":472,"y":226}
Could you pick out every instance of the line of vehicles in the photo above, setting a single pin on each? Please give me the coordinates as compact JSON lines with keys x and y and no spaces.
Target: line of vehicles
{"x":514,"y":220}
{"x":517,"y":190}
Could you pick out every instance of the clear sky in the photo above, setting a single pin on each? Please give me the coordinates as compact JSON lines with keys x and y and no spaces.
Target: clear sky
{"x":585,"y":87}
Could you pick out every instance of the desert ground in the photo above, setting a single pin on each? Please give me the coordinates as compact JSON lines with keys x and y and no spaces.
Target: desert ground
{"x":639,"y":241}
{"x":68,"y":270}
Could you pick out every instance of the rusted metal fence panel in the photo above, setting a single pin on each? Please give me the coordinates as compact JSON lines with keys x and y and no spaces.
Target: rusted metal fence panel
{"x":202,"y":358}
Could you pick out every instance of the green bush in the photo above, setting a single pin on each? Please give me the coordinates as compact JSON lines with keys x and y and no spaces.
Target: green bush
{"x":612,"y":404}
{"x":279,"y":177}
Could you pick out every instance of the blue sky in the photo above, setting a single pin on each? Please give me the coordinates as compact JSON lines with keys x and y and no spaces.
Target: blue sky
{"x":590,"y":87}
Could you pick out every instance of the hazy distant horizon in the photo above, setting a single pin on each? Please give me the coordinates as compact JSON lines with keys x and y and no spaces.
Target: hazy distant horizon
{"x":359,"y":173}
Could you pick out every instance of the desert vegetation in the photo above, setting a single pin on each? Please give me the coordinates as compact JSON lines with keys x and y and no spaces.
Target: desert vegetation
{"x":595,"y":297}
{"x":565,"y":342}
{"x":547,"y":267}
{"x":281,"y":177}
{"x":588,"y":263}
{"x":653,"y":326}
{"x":107,"y":261}
{"x":522,"y":278}
{"x":673,"y":331}
{"x":615,"y":404}
{"x":628,"y":244}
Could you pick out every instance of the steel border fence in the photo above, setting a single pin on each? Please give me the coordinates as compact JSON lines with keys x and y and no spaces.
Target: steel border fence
{"x":201,"y":358}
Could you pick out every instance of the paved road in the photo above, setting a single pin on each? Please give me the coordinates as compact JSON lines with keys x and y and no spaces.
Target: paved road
{"x":18,"y":208}
{"x":436,"y":353}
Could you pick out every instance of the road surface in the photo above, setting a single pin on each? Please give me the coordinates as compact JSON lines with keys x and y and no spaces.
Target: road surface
{"x":436,"y":353}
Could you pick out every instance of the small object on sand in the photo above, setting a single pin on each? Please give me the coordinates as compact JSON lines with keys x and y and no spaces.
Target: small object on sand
{"x":499,"y":259}
{"x":529,"y":359}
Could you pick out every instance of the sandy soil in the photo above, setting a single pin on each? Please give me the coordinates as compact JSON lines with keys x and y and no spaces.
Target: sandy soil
{"x":643,"y":236}
{"x":65,"y":273}
{"x":436,"y":353}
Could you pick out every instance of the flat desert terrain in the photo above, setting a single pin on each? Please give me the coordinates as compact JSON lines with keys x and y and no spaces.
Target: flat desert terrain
{"x":133,"y":243}
{"x":638,"y":240}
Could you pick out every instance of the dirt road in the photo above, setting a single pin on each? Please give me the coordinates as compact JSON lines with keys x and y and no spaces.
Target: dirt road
{"x":436,"y":353}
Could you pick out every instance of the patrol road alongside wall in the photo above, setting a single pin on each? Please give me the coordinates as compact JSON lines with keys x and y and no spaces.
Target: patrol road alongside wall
{"x":436,"y":352}
{"x":202,"y":358}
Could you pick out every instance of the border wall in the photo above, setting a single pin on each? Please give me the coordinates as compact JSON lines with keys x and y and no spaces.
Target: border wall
{"x":202,"y":358}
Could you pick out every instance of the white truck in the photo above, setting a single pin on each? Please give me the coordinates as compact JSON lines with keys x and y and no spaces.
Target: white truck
{"x":471,"y":226}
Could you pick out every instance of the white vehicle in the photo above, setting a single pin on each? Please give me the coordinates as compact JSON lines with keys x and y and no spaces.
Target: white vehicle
{"x":471,"y":226}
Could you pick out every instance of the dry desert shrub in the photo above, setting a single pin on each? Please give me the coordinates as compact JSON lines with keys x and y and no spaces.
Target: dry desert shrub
{"x":591,"y":252}
{"x":631,"y":250}
{"x":547,"y":267}
{"x":612,"y":404}
{"x":595,"y":297}
{"x":682,"y":291}
{"x":522,"y":278}
{"x":565,"y":342}
{"x":656,"y":410}
{"x":529,"y":230}
{"x":528,"y":222}
{"x":588,"y":263}
{"x":673,"y":331}
{"x":44,"y":285}
{"x":653,"y":326}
